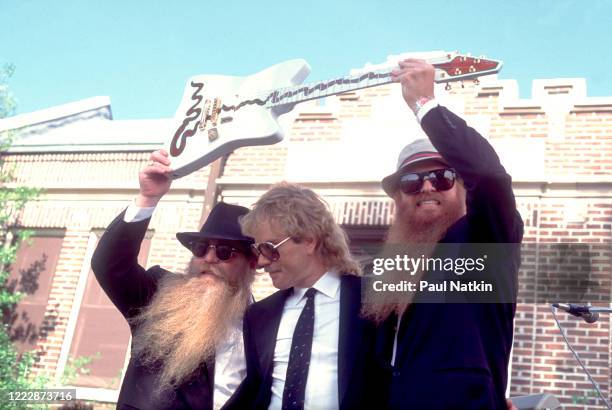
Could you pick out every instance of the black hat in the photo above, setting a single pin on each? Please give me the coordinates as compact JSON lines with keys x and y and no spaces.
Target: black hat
{"x":222,"y":223}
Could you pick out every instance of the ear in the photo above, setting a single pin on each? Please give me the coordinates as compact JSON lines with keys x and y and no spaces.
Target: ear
{"x":311,"y":244}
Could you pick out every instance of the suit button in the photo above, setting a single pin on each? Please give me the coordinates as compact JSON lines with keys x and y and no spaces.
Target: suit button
{"x":396,"y":373}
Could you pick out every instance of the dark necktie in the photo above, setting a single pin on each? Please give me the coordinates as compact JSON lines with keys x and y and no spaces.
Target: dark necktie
{"x":299,"y":357}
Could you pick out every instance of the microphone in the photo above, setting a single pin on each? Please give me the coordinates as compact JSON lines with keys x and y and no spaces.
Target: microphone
{"x":581,"y":311}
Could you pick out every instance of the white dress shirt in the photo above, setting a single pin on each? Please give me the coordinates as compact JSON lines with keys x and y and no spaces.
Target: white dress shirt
{"x":230,"y":362}
{"x":230,"y":366}
{"x":428,"y":106}
{"x":322,"y":383}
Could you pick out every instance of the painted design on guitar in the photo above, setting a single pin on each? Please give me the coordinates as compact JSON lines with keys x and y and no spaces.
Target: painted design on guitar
{"x":277,"y":98}
{"x":193,"y":113}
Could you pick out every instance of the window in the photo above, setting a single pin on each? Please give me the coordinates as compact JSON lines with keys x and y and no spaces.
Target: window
{"x":101,"y":333}
{"x":32,"y":274}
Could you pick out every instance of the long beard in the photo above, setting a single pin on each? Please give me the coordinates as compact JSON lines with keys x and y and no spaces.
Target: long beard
{"x":185,"y":321}
{"x":415,"y":238}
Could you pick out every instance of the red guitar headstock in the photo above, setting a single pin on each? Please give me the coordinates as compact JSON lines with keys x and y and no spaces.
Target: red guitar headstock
{"x":464,"y":67}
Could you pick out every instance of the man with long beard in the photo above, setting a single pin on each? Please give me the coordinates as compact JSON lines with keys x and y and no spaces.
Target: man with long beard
{"x":449,"y":191}
{"x":187,"y":348}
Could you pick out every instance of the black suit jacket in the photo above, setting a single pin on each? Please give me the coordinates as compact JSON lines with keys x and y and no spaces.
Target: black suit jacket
{"x":355,"y":344}
{"x":455,"y":355}
{"x":130,"y":287}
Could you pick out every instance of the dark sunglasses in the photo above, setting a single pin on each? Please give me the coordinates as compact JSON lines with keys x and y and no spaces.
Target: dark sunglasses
{"x":223,"y":252}
{"x":268,"y":249}
{"x":440,"y":179}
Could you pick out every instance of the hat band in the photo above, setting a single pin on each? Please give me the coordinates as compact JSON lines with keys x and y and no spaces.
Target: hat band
{"x":420,"y":156}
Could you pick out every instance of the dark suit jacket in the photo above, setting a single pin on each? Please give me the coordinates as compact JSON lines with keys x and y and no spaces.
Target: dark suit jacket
{"x":261,"y":323}
{"x":130,"y":287}
{"x":455,"y":355}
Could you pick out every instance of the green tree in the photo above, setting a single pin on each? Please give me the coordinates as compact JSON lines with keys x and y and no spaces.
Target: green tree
{"x":15,"y":369}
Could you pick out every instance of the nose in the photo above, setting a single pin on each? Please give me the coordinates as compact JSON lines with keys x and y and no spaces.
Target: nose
{"x":211,"y":256}
{"x":262,"y":261}
{"x":427,"y":186}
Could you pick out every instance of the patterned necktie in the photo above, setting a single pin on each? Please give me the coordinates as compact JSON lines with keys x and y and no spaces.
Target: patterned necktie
{"x":299,"y":357}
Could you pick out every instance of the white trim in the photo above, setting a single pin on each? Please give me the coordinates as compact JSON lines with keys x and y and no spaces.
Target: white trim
{"x":55,"y":112}
{"x":76,"y":307}
{"x":96,"y":394}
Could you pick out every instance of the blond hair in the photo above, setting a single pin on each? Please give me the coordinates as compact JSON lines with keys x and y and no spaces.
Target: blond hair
{"x":301,"y":213}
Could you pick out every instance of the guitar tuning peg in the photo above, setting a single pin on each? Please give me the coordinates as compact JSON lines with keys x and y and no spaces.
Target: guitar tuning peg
{"x":447,"y":87}
{"x":476,"y":81}
{"x":462,"y":85}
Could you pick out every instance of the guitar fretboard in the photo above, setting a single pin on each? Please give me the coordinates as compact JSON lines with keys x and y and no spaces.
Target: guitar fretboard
{"x":307,"y":92}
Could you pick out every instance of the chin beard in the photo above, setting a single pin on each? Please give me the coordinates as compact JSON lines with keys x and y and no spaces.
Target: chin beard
{"x":421,"y":235}
{"x":186,"y":319}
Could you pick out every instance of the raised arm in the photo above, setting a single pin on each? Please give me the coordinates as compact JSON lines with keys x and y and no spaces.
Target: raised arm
{"x":490,"y":200}
{"x":115,"y":260}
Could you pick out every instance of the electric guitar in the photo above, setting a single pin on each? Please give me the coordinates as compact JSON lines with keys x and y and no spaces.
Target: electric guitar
{"x":219,"y":114}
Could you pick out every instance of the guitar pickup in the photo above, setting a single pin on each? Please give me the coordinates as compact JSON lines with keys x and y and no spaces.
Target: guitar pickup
{"x":226,"y":119}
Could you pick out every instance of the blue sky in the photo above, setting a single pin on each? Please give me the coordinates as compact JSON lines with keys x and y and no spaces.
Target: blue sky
{"x":140,"y":53}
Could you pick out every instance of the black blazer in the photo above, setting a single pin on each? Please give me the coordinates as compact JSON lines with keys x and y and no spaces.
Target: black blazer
{"x":355,"y":345}
{"x":130,"y":287}
{"x":455,"y":355}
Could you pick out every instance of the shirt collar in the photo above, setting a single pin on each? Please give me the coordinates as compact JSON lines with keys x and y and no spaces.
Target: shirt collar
{"x":328,"y":284}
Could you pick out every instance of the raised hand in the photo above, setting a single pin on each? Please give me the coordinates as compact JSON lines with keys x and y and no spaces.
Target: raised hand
{"x":417,"y":79}
{"x":154,"y":179}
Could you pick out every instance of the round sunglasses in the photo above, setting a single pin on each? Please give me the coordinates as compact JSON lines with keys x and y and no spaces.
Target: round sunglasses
{"x":441,"y":179}
{"x":223,"y":252}
{"x":268,"y":249}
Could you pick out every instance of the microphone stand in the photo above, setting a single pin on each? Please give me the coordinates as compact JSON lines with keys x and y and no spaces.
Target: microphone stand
{"x":593,"y":382}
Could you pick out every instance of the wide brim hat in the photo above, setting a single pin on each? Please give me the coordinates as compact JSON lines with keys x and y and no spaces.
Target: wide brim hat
{"x":414,"y":153}
{"x":222,"y":223}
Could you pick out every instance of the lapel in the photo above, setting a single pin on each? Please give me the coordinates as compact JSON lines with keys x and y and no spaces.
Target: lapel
{"x":267,"y":323}
{"x":350,"y":331}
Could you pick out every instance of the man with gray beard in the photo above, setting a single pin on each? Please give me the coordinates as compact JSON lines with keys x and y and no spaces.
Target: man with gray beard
{"x":450,"y":192}
{"x":187,"y":348}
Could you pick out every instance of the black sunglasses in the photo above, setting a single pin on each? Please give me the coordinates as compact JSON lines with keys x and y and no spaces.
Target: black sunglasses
{"x":441,"y":180}
{"x":223,"y":252}
{"x":268,"y":249}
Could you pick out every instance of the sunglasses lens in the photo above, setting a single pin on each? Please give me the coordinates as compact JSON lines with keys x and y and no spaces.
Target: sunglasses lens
{"x":411,"y":183}
{"x":223,"y":252}
{"x":444,"y":179}
{"x":268,"y":251}
{"x":199,"y":249}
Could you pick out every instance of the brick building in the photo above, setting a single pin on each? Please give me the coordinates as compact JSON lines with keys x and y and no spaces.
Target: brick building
{"x":556,"y":145}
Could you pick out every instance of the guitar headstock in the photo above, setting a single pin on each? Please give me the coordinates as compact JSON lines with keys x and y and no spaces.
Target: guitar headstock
{"x":457,"y":66}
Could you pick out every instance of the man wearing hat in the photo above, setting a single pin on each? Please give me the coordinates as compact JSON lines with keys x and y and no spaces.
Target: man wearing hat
{"x":449,"y":190}
{"x":187,"y":348}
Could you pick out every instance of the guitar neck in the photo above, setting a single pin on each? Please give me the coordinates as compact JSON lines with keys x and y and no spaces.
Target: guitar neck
{"x":448,"y":68}
{"x":307,"y":92}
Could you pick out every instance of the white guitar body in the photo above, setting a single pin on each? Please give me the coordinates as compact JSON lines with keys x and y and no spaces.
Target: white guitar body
{"x":204,"y":131}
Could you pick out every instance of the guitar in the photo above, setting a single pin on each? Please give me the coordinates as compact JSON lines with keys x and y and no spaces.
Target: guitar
{"x":219,"y":114}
